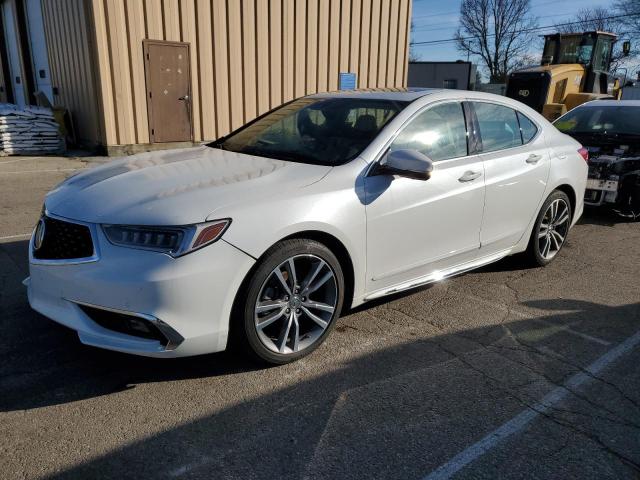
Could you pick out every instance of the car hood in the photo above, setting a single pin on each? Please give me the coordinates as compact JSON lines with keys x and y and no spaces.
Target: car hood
{"x":176,"y":187}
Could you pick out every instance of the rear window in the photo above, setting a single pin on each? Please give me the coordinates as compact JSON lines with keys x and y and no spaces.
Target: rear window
{"x":499,"y":127}
{"x":528,"y":129}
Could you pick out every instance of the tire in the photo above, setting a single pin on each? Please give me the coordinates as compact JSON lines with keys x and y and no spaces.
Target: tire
{"x":304,"y":317}
{"x":545,"y":243}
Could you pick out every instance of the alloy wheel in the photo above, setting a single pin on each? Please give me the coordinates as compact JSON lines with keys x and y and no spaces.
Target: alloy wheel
{"x":296,"y":304}
{"x":553,"y":228}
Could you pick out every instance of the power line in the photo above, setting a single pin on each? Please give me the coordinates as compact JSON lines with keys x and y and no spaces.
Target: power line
{"x":442,"y":14}
{"x":438,"y":26}
{"x":525,"y":30}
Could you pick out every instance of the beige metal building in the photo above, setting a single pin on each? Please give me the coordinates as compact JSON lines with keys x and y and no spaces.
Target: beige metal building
{"x":142,"y":72}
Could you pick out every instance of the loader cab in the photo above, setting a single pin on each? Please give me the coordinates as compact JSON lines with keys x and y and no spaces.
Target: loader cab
{"x":592,"y":50}
{"x":574,"y":69}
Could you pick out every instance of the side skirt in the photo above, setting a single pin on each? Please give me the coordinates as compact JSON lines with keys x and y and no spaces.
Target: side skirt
{"x":440,"y":275}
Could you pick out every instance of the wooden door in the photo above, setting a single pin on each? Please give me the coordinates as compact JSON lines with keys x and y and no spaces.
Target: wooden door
{"x":168,"y":91}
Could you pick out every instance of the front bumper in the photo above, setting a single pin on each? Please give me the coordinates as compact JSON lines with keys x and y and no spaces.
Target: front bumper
{"x":189,"y":298}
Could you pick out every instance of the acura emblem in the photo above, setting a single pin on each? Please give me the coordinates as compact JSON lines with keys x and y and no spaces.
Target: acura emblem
{"x":38,"y":236}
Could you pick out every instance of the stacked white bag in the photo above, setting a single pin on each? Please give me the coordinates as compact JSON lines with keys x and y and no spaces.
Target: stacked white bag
{"x":29,"y":131}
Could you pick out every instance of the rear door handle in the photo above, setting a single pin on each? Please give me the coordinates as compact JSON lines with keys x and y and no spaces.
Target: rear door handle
{"x":533,"y":158}
{"x":469,"y":176}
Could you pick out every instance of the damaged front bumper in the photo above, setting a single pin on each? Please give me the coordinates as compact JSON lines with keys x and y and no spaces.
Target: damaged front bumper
{"x":614,"y":181}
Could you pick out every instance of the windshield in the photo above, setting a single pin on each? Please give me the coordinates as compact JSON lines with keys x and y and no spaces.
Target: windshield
{"x":325,"y":131}
{"x":609,"y":120}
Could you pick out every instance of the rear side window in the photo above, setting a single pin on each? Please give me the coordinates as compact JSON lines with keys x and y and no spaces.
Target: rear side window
{"x":528,"y":129}
{"x":498,"y":125}
{"x":439,"y":132}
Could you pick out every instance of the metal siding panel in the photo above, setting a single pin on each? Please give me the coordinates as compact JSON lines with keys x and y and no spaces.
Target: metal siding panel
{"x":345,"y":35}
{"x":189,"y":35}
{"x":300,"y":48}
{"x":171,"y":20}
{"x":403,"y":27}
{"x":288,"y":40}
{"x":103,"y":63}
{"x":262,"y":52}
{"x":334,"y":45}
{"x":392,"y":43}
{"x":234,"y":16}
{"x":275,"y":30}
{"x":205,"y":70}
{"x":250,"y":89}
{"x":323,"y":45}
{"x":374,"y":40}
{"x":406,"y":44}
{"x":121,"y":72}
{"x":135,"y":16}
{"x":354,"y":56}
{"x":382,"y":48}
{"x":221,"y":63}
{"x":153,"y":12}
{"x":365,"y":24}
{"x":312,"y":46}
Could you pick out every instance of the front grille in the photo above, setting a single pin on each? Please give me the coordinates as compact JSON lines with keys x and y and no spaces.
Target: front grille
{"x":123,"y":323}
{"x":64,"y":240}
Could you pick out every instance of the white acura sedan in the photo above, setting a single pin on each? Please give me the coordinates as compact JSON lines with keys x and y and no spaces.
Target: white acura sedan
{"x":264,"y":236}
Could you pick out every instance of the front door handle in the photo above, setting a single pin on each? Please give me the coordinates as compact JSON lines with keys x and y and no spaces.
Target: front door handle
{"x":533,"y":158}
{"x":185,"y":98}
{"x":469,"y":176}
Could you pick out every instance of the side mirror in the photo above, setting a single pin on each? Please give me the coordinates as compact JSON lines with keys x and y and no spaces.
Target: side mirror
{"x":405,"y":163}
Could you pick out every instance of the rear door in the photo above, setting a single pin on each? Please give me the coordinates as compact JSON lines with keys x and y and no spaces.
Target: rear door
{"x":168,"y":91}
{"x":516,"y":163}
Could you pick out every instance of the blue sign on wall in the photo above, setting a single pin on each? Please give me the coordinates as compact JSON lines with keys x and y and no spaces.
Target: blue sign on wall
{"x":348,"y":81}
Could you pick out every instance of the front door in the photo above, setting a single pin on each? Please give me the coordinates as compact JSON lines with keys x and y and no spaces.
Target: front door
{"x":168,"y":91}
{"x":416,"y":228}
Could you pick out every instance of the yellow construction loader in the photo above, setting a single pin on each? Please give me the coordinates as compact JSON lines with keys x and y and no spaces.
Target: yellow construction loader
{"x":574,"y":69}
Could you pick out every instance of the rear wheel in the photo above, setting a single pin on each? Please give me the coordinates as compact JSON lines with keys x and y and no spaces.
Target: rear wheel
{"x":292,"y":301}
{"x":551,"y":229}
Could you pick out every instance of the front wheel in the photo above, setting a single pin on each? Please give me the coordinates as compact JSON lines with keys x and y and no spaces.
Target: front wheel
{"x":292,"y":301}
{"x":551,"y":229}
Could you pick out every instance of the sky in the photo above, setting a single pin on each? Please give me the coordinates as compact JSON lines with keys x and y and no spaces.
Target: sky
{"x":436,"y":20}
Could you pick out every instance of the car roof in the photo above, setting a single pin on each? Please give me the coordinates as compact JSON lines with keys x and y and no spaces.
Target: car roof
{"x":397,"y":94}
{"x":612,"y":103}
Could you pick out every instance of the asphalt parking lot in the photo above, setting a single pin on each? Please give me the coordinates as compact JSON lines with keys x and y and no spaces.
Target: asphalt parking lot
{"x":500,"y":373}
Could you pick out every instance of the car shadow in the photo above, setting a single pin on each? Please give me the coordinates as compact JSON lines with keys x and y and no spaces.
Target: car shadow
{"x":355,"y":416}
{"x":602,"y":216}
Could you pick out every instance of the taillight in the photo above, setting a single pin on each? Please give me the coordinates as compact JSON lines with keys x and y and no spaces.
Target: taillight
{"x":584,"y":153}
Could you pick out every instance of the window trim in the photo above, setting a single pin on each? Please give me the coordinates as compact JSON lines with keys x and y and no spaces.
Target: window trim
{"x":385,"y":148}
{"x":534,"y":138}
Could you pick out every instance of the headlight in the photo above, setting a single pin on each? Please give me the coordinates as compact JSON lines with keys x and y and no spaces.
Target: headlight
{"x":174,"y":241}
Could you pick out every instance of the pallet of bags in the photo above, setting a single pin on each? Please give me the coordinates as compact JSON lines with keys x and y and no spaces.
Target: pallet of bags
{"x":29,"y":131}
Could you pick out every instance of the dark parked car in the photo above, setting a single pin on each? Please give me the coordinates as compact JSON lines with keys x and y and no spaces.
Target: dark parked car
{"x":610,"y":130}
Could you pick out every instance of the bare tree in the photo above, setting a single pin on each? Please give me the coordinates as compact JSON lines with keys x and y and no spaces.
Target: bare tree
{"x":630,"y":9}
{"x":498,"y":31}
{"x":591,"y":19}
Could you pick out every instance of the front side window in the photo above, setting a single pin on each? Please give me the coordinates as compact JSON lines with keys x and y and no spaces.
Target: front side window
{"x":499,"y":128}
{"x":324,"y":131}
{"x":439,"y":133}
